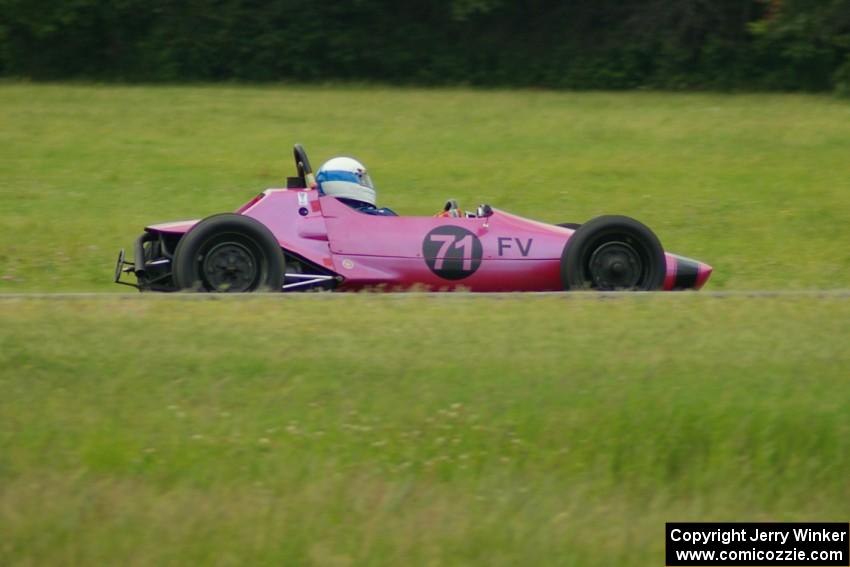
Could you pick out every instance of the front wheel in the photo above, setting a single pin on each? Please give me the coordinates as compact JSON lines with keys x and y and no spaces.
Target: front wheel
{"x":228,"y":253}
{"x":613,"y":253}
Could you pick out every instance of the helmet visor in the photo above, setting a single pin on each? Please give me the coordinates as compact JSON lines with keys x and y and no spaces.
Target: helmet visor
{"x":364,"y":179}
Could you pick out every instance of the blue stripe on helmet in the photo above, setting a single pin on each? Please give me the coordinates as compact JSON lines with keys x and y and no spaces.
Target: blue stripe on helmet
{"x":337,"y":176}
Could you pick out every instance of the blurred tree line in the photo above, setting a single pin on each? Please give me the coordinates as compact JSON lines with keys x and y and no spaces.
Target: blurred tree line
{"x":577,"y":44}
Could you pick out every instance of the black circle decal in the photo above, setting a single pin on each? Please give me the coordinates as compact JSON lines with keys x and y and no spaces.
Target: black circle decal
{"x":452,"y":252}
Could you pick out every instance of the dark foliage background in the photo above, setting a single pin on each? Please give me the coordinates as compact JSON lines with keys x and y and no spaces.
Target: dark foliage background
{"x":578,"y":44}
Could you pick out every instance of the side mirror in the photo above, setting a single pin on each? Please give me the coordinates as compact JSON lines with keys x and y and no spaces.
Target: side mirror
{"x":484,"y":211}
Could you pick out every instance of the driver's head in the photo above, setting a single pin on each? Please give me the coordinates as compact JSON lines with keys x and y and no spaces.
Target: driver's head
{"x":346,"y":178}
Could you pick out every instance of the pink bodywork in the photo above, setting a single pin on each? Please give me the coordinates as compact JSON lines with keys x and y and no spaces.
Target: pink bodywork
{"x":516,"y":254}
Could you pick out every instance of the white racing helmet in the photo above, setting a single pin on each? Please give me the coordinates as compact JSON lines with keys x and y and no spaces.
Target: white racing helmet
{"x":346,"y":178}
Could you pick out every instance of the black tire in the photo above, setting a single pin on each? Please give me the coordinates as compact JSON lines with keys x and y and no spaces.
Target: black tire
{"x":613,"y":253}
{"x":228,"y":253}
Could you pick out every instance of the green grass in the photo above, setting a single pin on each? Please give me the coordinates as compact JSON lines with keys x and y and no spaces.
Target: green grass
{"x":365,"y":429}
{"x":387,"y":430}
{"x":756,"y":185}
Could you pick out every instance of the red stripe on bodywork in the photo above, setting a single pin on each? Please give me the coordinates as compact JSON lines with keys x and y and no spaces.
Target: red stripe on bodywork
{"x":704,"y":272}
{"x":670,"y":278}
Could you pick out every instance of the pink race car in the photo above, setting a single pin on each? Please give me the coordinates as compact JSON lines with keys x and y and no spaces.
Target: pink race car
{"x":298,"y":239}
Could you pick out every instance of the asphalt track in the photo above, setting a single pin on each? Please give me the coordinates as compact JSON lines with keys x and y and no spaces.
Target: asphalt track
{"x":580,"y":295}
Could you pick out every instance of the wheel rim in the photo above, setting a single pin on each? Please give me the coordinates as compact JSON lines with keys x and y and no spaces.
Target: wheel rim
{"x":230,"y":266}
{"x":616,"y":265}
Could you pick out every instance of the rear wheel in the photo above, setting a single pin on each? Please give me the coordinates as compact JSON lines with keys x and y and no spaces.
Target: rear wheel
{"x":612,"y":253}
{"x":228,"y":253}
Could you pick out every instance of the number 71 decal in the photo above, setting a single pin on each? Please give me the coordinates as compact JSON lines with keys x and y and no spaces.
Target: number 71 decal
{"x":452,"y":252}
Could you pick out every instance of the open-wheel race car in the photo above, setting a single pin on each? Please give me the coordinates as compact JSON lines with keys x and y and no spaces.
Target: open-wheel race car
{"x":300,"y":238}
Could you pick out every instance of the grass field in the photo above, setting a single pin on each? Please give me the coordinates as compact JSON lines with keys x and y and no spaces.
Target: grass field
{"x":456,"y":431}
{"x":756,"y":185}
{"x":366,"y":429}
